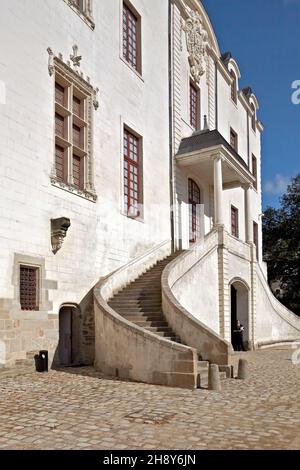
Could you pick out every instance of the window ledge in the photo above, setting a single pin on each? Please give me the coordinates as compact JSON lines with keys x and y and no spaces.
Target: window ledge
{"x":137,"y":73}
{"x":83,"y":193}
{"x":132,"y":217}
{"x":84,"y":16}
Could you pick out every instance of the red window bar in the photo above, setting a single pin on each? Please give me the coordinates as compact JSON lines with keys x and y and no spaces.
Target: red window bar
{"x":234,"y":221}
{"x":59,"y":125}
{"x":28,"y":288}
{"x":130,"y":37}
{"x":60,"y":163}
{"x":59,"y":94}
{"x":77,"y":174}
{"x":131,"y":174}
{"x":77,"y":106}
{"x":194,"y":106}
{"x":194,"y":210}
{"x":77,"y":134}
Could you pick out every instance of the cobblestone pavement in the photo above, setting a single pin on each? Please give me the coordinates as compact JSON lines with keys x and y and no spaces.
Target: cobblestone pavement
{"x":77,"y":409}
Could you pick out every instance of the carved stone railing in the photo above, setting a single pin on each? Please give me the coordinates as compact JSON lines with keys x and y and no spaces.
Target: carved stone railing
{"x":237,"y":247}
{"x":126,"y":350}
{"x":193,"y":332}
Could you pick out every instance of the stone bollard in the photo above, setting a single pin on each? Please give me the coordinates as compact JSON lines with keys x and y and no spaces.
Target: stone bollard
{"x":242,"y":369}
{"x":214,"y":382}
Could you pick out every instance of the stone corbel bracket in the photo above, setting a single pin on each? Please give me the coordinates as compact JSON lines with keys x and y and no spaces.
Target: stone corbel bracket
{"x":59,"y":228}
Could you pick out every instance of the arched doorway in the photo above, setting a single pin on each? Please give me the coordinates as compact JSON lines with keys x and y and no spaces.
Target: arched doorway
{"x":69,"y":336}
{"x":239,"y":294}
{"x":194,"y":211}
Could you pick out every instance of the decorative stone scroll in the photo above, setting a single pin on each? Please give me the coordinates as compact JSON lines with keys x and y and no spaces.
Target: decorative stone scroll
{"x":197,"y":41}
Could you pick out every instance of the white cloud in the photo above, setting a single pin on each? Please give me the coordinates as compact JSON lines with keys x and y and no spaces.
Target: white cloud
{"x":277,"y":186}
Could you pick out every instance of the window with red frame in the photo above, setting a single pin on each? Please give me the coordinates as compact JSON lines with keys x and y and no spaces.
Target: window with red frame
{"x":29,"y":288}
{"x":132,"y":174}
{"x":70,"y":147}
{"x":254,"y":170}
{"x":233,"y":87}
{"x":234,"y":139}
{"x":234,"y":222}
{"x":131,"y":26}
{"x":194,"y":210}
{"x":194,"y":107}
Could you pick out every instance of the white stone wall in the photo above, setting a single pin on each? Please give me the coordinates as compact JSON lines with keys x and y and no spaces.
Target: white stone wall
{"x":101,"y":237}
{"x":197,"y":291}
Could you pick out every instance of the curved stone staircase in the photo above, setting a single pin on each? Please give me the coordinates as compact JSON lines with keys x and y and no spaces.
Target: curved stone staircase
{"x":140,"y":302}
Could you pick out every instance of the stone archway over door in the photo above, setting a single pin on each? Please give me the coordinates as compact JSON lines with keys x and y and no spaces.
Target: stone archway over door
{"x":69,"y":336}
{"x":239,"y":294}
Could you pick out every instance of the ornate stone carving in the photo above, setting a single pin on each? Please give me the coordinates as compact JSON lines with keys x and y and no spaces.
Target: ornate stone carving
{"x":197,"y":41}
{"x":75,"y":58}
{"x":59,"y":228}
{"x":51,"y":66}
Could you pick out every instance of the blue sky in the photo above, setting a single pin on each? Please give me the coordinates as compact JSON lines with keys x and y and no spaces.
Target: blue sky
{"x":264,"y":38}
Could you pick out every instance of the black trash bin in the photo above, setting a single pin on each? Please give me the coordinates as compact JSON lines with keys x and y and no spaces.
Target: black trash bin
{"x":41,"y":361}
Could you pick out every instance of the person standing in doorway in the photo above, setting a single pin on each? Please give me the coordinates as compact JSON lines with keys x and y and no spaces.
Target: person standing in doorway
{"x":238,"y":335}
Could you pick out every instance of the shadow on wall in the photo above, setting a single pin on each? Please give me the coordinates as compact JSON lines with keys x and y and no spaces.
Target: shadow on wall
{"x":76,"y":346}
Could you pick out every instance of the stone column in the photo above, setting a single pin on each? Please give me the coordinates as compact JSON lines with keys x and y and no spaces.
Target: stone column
{"x":248,"y":214}
{"x":218,"y":190}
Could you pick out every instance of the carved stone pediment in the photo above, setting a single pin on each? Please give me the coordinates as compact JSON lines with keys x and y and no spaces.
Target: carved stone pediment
{"x":59,"y":228}
{"x":197,"y":41}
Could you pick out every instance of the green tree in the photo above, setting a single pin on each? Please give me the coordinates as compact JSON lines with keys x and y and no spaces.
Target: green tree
{"x":281,"y":229}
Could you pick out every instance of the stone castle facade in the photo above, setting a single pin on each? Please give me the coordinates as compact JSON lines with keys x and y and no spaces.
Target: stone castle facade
{"x":125,"y":136}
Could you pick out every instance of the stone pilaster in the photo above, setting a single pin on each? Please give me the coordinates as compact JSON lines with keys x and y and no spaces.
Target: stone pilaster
{"x":252,"y":316}
{"x":224,"y":300}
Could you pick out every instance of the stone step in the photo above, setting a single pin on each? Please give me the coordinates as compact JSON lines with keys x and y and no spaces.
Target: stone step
{"x":131,"y":294}
{"x":137,"y":310}
{"x":140,"y":318}
{"x":154,"y":324}
{"x":159,"y":329}
{"x":133,"y":303}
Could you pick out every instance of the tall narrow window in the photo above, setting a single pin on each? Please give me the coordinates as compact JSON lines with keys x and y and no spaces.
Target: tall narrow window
{"x":254,"y":170}
{"x":132,"y":174}
{"x":233,"y":87}
{"x":29,"y":288}
{"x":194,"y":211}
{"x":234,"y":222}
{"x":194,"y":107}
{"x":233,"y":139}
{"x":131,"y":37}
{"x":71,"y":147}
{"x":74,"y":99}
{"x":255,"y":238}
{"x":253,"y":118}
